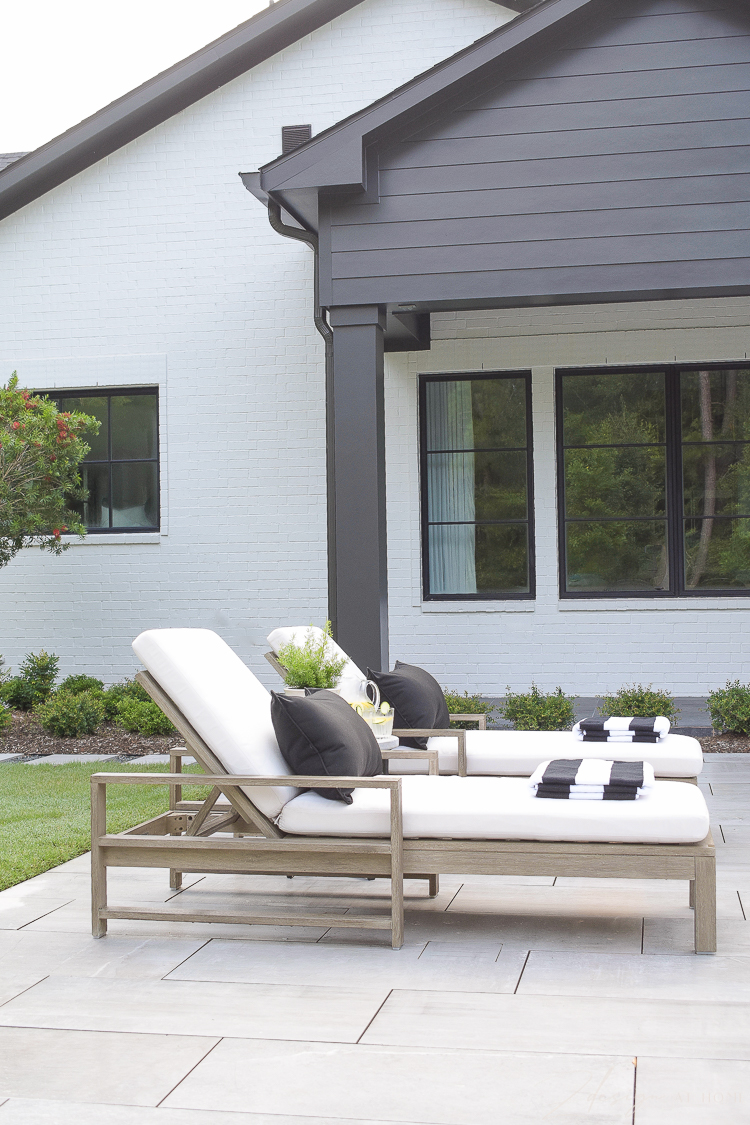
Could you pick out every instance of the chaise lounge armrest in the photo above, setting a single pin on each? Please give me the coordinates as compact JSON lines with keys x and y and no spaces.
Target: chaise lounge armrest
{"x":222,"y":782}
{"x":402,"y":752}
{"x":435,"y":732}
{"x":480,"y":720}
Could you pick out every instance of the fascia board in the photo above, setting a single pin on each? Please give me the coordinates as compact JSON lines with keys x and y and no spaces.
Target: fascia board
{"x":267,"y":33}
{"x":335,"y":158}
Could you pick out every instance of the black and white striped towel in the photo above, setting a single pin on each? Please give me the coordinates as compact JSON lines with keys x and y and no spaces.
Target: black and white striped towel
{"x":592,"y":779}
{"x":622,"y":729}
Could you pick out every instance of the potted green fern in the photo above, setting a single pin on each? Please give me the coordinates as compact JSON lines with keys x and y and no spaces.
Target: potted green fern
{"x":312,"y":664}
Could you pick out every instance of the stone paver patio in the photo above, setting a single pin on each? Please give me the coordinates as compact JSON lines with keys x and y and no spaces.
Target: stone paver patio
{"x":513,"y":1001}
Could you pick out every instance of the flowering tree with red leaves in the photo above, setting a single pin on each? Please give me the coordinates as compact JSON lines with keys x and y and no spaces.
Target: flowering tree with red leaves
{"x":40,"y":451}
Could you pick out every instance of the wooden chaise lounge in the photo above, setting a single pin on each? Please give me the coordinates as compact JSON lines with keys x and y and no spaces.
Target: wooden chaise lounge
{"x":501,"y":753}
{"x":396,"y":827}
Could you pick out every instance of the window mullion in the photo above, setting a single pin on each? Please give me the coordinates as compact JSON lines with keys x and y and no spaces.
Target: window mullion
{"x":674,"y":481}
{"x":109,"y":455}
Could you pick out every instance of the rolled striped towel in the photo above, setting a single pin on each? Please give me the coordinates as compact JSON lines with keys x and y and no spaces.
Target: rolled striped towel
{"x":592,"y":779}
{"x":619,"y":728}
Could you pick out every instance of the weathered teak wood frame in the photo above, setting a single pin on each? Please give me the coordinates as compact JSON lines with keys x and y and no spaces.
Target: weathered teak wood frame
{"x":184,"y":839}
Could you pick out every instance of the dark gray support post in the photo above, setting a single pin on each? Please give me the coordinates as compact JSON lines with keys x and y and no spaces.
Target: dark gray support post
{"x":356,"y":492}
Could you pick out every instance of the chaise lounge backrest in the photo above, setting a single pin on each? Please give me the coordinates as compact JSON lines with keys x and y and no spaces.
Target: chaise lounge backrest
{"x":351,"y":684}
{"x":225,"y":703}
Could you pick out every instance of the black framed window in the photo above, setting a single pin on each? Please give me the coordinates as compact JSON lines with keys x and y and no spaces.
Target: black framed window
{"x":654,"y":481}
{"x":121,"y":471}
{"x":476,"y":479}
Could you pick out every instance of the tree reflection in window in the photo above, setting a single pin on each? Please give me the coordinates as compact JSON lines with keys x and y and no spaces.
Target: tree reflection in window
{"x":655,"y":469}
{"x":716,"y":478}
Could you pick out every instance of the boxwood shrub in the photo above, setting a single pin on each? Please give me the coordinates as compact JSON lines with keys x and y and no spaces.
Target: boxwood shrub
{"x":729,"y":708}
{"x":69,"y":715}
{"x":34,"y":683}
{"x":76,"y":684}
{"x":466,"y":704}
{"x":115,"y":695}
{"x":142,"y":716}
{"x":535,"y":710}
{"x":640,"y":701}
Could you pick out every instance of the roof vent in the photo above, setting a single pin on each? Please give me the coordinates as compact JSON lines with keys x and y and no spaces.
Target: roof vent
{"x":292,"y":136}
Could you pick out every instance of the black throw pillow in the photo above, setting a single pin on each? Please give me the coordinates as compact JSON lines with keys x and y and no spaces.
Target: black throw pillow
{"x":321,"y":734}
{"x":416,"y":698}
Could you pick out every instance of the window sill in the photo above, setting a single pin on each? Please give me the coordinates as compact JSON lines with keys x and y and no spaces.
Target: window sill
{"x":521,"y":606}
{"x":126,"y":538}
{"x":660,"y":605}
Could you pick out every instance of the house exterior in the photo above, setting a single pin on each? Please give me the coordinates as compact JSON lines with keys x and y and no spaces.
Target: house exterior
{"x":479,"y":391}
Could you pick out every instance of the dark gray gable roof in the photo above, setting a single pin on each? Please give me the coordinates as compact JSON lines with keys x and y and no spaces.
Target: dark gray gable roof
{"x":267,"y":33}
{"x":7,"y":158}
{"x":335,"y":159}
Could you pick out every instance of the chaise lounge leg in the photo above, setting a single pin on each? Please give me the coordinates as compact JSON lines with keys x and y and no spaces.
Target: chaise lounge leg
{"x":397,"y":870}
{"x":434,"y":886}
{"x":691,"y":898}
{"x":98,"y":866}
{"x":175,"y":797}
{"x":705,"y":904}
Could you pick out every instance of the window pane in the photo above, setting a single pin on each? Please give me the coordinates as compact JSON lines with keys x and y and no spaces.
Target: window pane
{"x":482,"y":486}
{"x":96,"y":406}
{"x":615,"y":482}
{"x":476,"y":413}
{"x":489,"y":559}
{"x":622,"y":556}
{"x":716,"y":479}
{"x":502,"y":554}
{"x":133,"y":426}
{"x":452,"y":559}
{"x":501,"y":486}
{"x":94,"y":511}
{"x":450,"y":421}
{"x":485,"y":559}
{"x":613,"y":409}
{"x":451,"y":487}
{"x":717,"y":554}
{"x":715,"y":405}
{"x":499,"y":407}
{"x":135,"y":498}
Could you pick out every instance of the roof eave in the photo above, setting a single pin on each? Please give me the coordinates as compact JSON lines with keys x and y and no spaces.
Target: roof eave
{"x":267,"y":33}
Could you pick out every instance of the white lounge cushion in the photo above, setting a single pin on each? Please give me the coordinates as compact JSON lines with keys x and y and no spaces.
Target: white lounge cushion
{"x":519,"y":752}
{"x":504,"y":808}
{"x":229,"y":708}
{"x":351,"y":684}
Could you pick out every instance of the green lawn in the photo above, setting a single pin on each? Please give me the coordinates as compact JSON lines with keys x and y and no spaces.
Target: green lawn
{"x":44,"y":812}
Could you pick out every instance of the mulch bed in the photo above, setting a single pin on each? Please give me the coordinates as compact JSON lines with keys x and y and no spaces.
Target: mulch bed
{"x":725,"y":744}
{"x":27,"y":737}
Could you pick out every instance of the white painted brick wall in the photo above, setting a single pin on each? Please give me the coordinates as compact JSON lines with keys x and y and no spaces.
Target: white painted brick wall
{"x":155,"y":266}
{"x":688,"y":645}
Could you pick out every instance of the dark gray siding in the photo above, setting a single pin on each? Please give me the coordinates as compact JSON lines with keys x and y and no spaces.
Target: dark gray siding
{"x":616,"y":164}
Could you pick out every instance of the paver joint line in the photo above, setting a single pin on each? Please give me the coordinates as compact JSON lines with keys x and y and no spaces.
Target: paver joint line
{"x":520,"y":975}
{"x":189,"y":1072}
{"x":375,"y":1016}
{"x":635,"y":1084}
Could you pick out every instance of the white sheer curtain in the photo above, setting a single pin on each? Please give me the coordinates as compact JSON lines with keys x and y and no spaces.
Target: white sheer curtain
{"x":450,"y":488}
